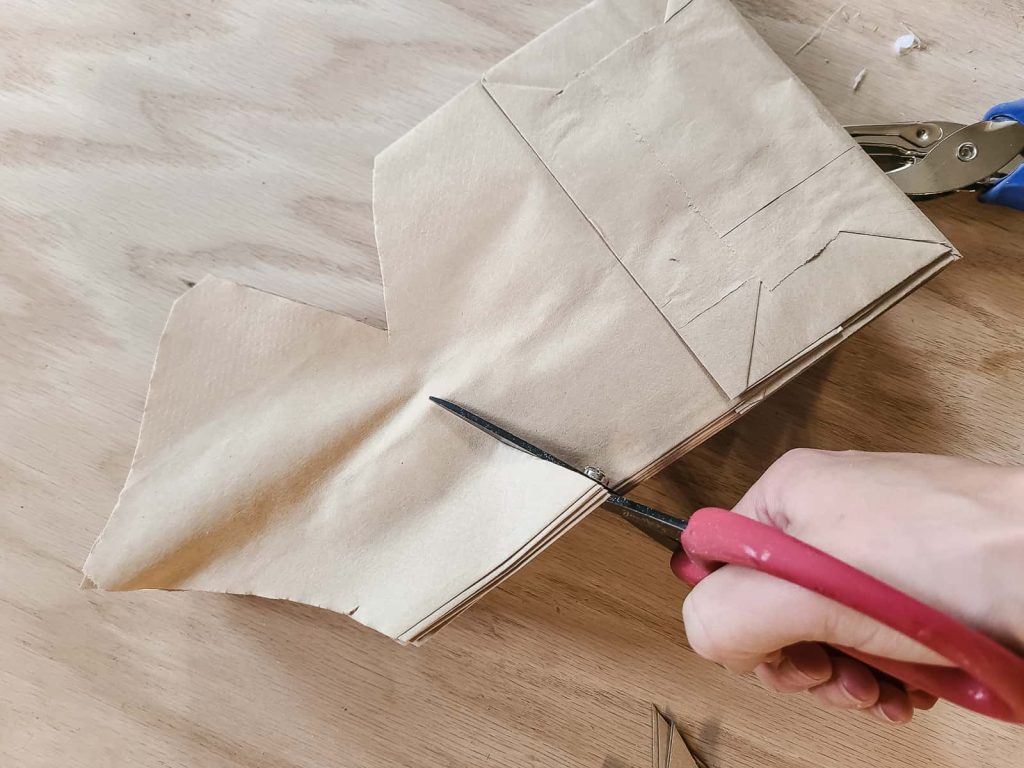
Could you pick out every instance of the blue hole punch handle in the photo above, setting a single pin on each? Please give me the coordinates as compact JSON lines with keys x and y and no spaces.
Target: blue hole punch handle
{"x":1008,"y":191}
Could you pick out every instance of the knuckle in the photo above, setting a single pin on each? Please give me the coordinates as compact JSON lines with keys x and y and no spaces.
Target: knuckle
{"x":797,"y":461}
{"x":787,"y":483}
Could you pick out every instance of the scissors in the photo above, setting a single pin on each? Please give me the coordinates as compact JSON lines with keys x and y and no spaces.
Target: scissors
{"x":985,"y":677}
{"x":932,"y":159}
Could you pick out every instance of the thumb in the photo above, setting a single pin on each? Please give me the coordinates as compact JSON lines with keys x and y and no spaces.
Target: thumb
{"x":740,"y":617}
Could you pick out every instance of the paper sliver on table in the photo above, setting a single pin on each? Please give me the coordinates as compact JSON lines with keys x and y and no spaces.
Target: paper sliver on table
{"x":602,"y":245}
{"x":669,"y":749}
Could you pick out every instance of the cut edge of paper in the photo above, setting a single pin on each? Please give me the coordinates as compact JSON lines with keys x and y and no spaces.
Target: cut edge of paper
{"x":154,"y":367}
{"x":725,"y":337}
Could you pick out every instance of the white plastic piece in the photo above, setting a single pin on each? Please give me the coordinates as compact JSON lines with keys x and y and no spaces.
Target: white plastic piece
{"x":904,"y":44}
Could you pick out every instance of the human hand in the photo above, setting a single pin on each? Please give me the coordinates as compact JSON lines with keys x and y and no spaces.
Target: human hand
{"x":947,"y":531}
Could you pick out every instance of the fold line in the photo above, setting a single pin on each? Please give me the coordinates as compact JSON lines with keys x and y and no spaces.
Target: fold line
{"x":716,"y":302}
{"x":787,"y":191}
{"x":597,"y":230}
{"x":753,"y":334}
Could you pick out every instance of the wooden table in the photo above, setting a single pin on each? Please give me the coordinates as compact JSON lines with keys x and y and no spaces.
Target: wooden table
{"x":146,"y":143}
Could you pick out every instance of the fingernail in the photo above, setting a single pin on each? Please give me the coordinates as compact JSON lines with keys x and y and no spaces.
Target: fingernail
{"x":856,"y":692}
{"x":892,"y":713}
{"x":800,"y":676}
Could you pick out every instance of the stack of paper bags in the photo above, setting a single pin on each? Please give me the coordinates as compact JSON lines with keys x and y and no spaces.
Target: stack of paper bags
{"x":619,"y":239}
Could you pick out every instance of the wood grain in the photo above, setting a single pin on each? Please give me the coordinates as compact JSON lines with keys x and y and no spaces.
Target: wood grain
{"x":143,"y":144}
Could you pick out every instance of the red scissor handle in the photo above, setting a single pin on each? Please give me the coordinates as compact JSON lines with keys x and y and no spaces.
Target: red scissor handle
{"x":985,"y":677}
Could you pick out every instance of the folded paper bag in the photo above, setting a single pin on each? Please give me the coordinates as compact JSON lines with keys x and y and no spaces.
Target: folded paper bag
{"x":570,"y":247}
{"x":732,"y":187}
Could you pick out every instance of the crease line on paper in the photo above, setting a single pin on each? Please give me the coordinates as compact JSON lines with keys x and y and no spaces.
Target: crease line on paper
{"x":787,"y":191}
{"x":599,"y":233}
{"x":728,"y":292}
{"x":192,"y":551}
{"x":593,"y":226}
{"x":753,"y":335}
{"x":576,"y":205}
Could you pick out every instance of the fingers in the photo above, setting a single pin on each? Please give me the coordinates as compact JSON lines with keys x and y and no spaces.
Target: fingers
{"x":768,"y":498}
{"x":852,"y":686}
{"x":894,"y":704}
{"x":837,"y":681}
{"x":739,"y":618}
{"x":922,"y":700}
{"x":841,"y":682}
{"x":802,"y":666}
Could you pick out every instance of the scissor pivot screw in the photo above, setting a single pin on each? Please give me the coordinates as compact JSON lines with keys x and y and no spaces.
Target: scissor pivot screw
{"x":967,"y":151}
{"x":596,"y":475}
{"x":922,"y":134}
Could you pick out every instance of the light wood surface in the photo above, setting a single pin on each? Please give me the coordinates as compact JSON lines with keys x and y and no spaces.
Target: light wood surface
{"x":144,"y":144}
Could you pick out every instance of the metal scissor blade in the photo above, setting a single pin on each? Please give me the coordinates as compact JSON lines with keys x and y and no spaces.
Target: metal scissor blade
{"x":502,"y":435}
{"x":663,"y":528}
{"x":658,"y":526}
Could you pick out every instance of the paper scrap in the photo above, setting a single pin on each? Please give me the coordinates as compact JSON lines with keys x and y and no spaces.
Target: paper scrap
{"x":670,"y":748}
{"x":859,"y":79}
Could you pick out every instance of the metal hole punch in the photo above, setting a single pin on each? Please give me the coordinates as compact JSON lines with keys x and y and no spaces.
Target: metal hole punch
{"x":932,"y":159}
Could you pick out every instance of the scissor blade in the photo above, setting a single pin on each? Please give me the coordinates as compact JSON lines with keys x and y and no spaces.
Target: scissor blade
{"x":662,"y":528}
{"x":503,"y":435}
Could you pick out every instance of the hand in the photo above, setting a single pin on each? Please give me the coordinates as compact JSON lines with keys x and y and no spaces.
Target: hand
{"x":947,"y":531}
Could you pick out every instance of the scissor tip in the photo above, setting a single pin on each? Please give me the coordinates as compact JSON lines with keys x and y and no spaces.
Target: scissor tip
{"x":448,"y":405}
